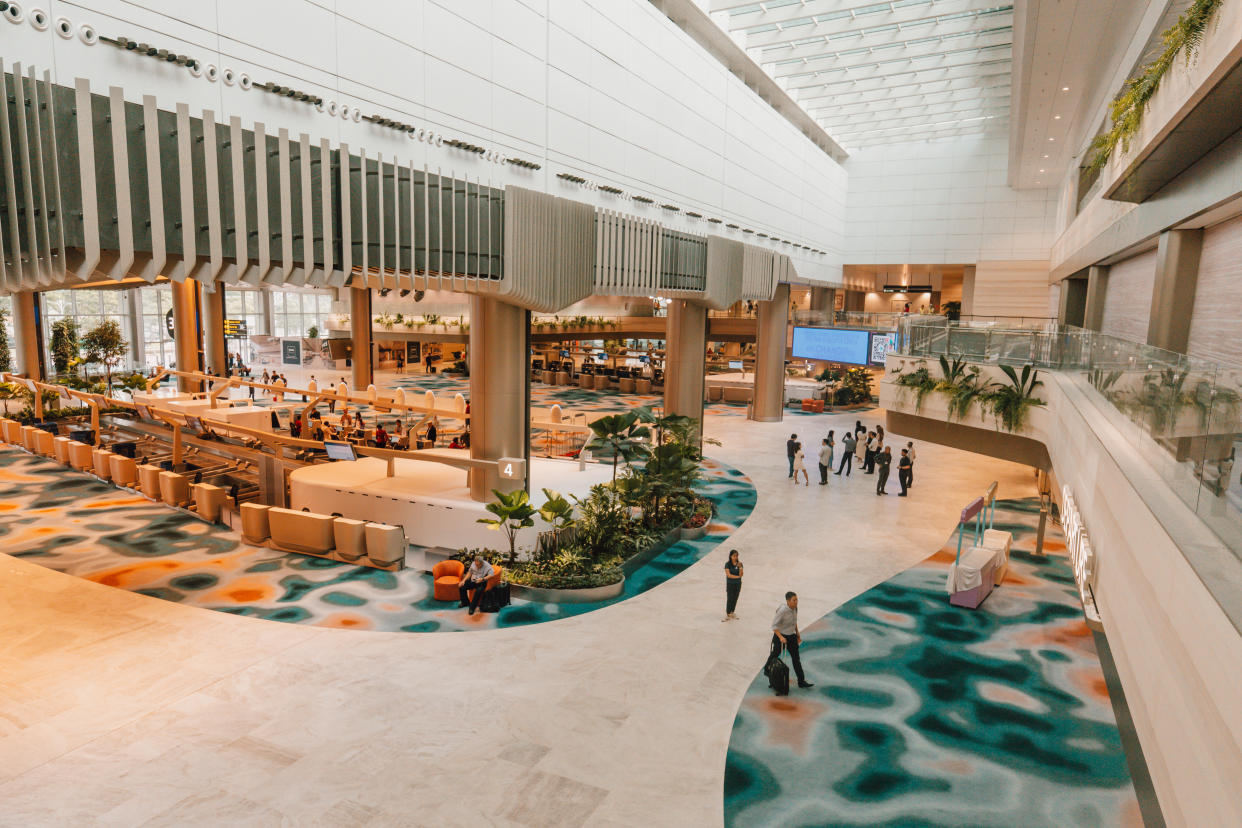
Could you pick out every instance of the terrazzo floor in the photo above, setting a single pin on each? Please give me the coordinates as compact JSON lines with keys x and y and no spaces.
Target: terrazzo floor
{"x":928,"y":714}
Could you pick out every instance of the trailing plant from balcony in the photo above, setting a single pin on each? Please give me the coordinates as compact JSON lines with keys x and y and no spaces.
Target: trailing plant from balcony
{"x":1126,"y":112}
{"x":954,"y":372}
{"x":921,"y":382}
{"x":968,"y":390}
{"x":1010,"y":403}
{"x":431,"y":318}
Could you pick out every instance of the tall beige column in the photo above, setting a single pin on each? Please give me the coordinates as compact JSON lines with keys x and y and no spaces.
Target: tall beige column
{"x":215,"y":349}
{"x":27,"y":348}
{"x":1097,"y":289}
{"x":499,"y":392}
{"x":968,"y":290}
{"x":360,"y":331}
{"x":822,"y":299}
{"x":684,"y":358}
{"x":1173,"y":298}
{"x":188,"y":333}
{"x":769,"y":404}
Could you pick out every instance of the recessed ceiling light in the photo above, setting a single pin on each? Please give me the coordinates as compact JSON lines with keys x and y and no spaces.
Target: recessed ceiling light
{"x":1064,"y":88}
{"x":1041,"y":170}
{"x":1052,"y":139}
{"x":1045,"y":155}
{"x":1056,"y":117}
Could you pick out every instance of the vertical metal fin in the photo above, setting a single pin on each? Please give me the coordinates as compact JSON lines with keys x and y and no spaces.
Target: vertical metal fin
{"x":211,"y":168}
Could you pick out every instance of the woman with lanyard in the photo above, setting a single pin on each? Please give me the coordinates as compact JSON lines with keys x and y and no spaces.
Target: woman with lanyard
{"x":733,"y":584}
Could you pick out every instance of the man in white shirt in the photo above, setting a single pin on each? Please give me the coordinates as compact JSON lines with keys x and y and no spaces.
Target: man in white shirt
{"x":785,"y":633}
{"x":475,"y":578}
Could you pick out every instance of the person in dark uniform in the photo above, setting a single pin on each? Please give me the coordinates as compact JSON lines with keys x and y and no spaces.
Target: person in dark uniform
{"x":733,"y":584}
{"x":791,"y":449}
{"x":904,"y":471}
{"x":883,"y":459}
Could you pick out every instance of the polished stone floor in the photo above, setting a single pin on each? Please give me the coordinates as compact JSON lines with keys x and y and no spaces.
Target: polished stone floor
{"x":121,"y":709}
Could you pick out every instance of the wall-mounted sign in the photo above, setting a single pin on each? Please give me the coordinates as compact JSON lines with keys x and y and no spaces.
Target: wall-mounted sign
{"x":1082,"y":557}
{"x":235,"y":327}
{"x":413,"y":353}
{"x":290,"y":352}
{"x":512,"y":468}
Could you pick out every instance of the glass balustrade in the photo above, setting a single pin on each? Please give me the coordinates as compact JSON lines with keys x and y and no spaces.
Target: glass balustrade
{"x":1182,"y":414}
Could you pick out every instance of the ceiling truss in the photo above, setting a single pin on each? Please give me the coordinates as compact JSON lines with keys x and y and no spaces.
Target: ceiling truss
{"x":873,"y":72}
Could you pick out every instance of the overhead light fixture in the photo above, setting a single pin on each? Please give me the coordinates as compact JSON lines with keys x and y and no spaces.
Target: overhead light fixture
{"x":1041,"y":170}
{"x":1064,"y":88}
{"x":1056,"y":117}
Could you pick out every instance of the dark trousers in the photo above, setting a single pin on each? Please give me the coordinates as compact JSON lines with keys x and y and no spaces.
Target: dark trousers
{"x":791,"y":644}
{"x":903,"y":477}
{"x":733,"y":588}
{"x":823,"y":473}
{"x":464,"y":589}
{"x":847,"y":463}
{"x":910,"y":475}
{"x":882,"y":481}
{"x":791,"y":459}
{"x":869,"y":461}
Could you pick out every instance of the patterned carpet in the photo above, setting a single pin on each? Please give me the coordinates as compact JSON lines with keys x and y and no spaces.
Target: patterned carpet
{"x":927,"y":714}
{"x":74,"y":523}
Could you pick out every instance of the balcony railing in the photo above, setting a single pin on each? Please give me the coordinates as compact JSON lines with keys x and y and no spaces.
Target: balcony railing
{"x":1184,"y":415}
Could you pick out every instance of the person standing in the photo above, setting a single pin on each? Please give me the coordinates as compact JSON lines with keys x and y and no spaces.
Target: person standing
{"x":869,"y":454}
{"x":909,"y":452}
{"x":791,"y":448}
{"x":847,"y":454}
{"x":800,"y":467}
{"x":903,"y":471}
{"x":431,"y":432}
{"x":883,"y":459}
{"x":785,"y":634}
{"x":733,"y":584}
{"x":825,"y":462}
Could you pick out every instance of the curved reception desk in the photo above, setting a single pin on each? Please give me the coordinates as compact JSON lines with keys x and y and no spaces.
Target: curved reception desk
{"x":430,"y":500}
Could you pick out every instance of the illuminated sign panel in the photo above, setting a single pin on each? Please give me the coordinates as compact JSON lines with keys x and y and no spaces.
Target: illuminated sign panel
{"x":1082,"y":557}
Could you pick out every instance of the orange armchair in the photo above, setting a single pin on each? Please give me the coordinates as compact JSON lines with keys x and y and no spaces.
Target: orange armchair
{"x":491,"y":582}
{"x":447,"y":576}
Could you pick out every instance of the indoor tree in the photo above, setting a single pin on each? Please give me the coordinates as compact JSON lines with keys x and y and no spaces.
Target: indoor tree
{"x":622,"y":434}
{"x":513,"y":512}
{"x":65,"y":344}
{"x":6,"y":353}
{"x":104,"y":344}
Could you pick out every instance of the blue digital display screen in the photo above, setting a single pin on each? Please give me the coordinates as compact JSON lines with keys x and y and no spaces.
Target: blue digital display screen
{"x":832,"y":345}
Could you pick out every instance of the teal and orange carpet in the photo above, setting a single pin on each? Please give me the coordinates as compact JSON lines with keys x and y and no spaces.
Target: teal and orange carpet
{"x":924,"y":714}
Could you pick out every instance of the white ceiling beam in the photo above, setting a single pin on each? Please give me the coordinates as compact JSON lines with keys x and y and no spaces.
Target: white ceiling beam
{"x":844,"y":121}
{"x":811,"y":61}
{"x":932,"y":114}
{"x":978,"y":128}
{"x":956,"y":90}
{"x":949,"y":124}
{"x":983,"y":73}
{"x":740,"y":21}
{"x":728,"y":5}
{"x":971,"y":60}
{"x":914,"y":17}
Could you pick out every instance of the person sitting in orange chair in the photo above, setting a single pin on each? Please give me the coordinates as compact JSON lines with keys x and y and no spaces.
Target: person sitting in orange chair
{"x":475,"y":578}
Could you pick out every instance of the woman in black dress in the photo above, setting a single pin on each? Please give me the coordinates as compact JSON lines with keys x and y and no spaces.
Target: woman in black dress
{"x":733,"y":584}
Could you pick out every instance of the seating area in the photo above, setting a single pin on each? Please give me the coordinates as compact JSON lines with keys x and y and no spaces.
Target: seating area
{"x":447,"y":576}
{"x":357,"y":542}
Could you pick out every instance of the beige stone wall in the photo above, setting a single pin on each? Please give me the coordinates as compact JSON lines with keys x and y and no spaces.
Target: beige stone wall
{"x":1216,"y":324}
{"x":1011,"y":289}
{"x":1127,"y":304}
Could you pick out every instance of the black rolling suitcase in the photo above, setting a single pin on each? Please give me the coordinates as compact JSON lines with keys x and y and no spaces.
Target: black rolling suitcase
{"x":777,"y":673}
{"x":495,"y":598}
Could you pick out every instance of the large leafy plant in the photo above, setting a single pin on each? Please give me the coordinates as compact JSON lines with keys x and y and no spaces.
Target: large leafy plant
{"x":921,"y":382}
{"x":513,"y":513}
{"x":1010,"y":403}
{"x":624,"y":436}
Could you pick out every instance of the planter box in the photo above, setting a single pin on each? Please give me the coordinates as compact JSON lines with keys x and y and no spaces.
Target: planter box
{"x":568,"y":596}
{"x":633,"y":563}
{"x":688,"y":533}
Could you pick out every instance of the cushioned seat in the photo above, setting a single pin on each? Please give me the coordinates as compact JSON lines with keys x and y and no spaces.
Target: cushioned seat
{"x":60,"y":450}
{"x":601,"y":382}
{"x":627,"y":385}
{"x":386,"y":546}
{"x":304,"y":532}
{"x":586,"y":381}
{"x":100,"y":461}
{"x":30,"y":435}
{"x":548,"y":377}
{"x":351,"y":539}
{"x":208,"y":501}
{"x":562,"y":378}
{"x":80,"y":456}
{"x":642,"y":385}
{"x":737,"y":394}
{"x":45,"y":443}
{"x":254,"y":524}
{"x":149,"y":480}
{"x":715,"y":393}
{"x":124,"y":470}
{"x":174,"y":488}
{"x":446,"y":575}
{"x":11,"y":430}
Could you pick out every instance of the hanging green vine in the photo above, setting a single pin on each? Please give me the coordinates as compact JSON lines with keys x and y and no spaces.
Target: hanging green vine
{"x":1126,"y":111}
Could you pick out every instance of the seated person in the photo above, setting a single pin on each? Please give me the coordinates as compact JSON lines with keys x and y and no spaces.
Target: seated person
{"x":295,"y":428}
{"x":381,"y":436}
{"x":347,"y":421}
{"x":456,"y":443}
{"x":465,"y":439}
{"x":475,"y":578}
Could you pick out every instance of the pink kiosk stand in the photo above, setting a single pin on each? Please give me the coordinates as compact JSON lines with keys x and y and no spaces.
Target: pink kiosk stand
{"x":973,"y":575}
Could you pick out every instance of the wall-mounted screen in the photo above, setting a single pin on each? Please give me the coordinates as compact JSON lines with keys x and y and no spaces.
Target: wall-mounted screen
{"x":832,"y":345}
{"x":736,"y":365}
{"x":882,"y":344}
{"x":339,"y":451}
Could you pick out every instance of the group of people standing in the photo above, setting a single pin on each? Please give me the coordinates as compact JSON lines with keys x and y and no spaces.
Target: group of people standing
{"x":865,"y":445}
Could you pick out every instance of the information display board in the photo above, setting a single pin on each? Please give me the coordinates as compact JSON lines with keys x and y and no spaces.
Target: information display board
{"x":882,"y":344}
{"x":291,"y":351}
{"x":845,"y":345}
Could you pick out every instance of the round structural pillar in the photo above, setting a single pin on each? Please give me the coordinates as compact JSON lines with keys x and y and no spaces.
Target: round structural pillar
{"x":27,"y":339}
{"x":499,"y":392}
{"x":214,"y":346}
{"x":769,"y":400}
{"x":360,"y":333}
{"x":188,"y":332}
{"x":684,"y":359}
